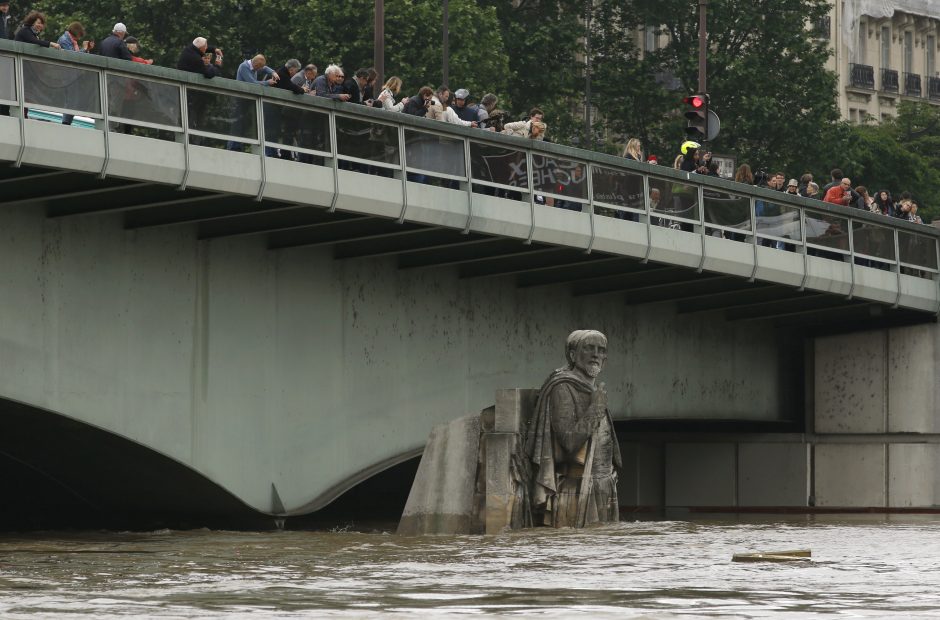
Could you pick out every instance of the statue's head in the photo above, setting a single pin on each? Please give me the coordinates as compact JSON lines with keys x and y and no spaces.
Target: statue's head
{"x":586,"y":351}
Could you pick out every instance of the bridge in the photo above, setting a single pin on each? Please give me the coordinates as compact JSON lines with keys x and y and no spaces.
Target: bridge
{"x":189,"y":326}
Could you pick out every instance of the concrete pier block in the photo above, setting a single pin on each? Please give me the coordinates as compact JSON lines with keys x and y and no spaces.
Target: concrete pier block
{"x":500,"y":490}
{"x":850,"y":383}
{"x":912,"y":475}
{"x":773,"y":474}
{"x":850,"y":475}
{"x":441,"y":499}
{"x":700,"y":474}
{"x":513,"y":408}
{"x":913,"y":392}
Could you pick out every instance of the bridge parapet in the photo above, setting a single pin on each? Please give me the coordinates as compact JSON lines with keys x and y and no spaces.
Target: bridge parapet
{"x":172,"y":127}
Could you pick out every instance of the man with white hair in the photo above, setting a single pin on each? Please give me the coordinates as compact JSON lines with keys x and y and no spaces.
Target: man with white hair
{"x":114,"y":46}
{"x":198,"y":57}
{"x":330,"y":84}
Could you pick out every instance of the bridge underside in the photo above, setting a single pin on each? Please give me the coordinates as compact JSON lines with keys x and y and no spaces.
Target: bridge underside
{"x":63,"y":194}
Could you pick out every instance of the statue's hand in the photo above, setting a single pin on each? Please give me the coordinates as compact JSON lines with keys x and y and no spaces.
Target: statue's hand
{"x":599,"y":398}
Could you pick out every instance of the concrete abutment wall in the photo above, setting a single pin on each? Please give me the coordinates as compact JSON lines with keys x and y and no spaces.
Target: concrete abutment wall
{"x":871,"y":441}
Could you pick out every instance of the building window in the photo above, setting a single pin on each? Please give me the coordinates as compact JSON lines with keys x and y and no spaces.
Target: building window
{"x":862,"y":51}
{"x":885,"y":47}
{"x":651,"y":39}
{"x":931,"y":55}
{"x":908,"y":51}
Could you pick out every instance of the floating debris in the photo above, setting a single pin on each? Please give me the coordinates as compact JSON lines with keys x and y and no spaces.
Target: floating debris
{"x":794,"y":555}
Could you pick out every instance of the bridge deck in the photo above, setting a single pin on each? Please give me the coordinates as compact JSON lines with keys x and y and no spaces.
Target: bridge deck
{"x":376,"y":183}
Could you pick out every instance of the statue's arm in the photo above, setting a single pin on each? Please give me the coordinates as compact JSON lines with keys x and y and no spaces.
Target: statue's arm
{"x":571,"y":430}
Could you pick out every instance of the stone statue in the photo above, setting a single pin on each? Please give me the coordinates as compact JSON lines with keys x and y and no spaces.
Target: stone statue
{"x":571,"y":452}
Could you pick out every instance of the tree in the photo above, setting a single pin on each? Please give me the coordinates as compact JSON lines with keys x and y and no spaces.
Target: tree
{"x":766,"y":76}
{"x":543,"y":39}
{"x":901,"y":154}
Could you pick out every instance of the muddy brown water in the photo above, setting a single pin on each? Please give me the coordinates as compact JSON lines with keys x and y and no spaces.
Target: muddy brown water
{"x":867,"y":566}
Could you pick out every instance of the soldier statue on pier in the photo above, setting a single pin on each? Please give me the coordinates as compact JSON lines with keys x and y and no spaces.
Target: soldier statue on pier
{"x":571,"y":451}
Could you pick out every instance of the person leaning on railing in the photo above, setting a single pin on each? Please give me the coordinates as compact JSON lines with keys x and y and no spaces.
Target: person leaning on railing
{"x":198,"y":57}
{"x":70,"y":41}
{"x":389,"y":92}
{"x":32,"y":27}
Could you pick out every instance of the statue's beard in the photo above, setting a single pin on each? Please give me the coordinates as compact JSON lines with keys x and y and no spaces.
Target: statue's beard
{"x":592,"y":369}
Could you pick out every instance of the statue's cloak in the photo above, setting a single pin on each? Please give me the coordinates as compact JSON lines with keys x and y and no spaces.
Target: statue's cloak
{"x":539,"y":444}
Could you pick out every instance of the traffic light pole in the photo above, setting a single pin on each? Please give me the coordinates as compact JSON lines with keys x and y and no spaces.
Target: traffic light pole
{"x":702,"y":52}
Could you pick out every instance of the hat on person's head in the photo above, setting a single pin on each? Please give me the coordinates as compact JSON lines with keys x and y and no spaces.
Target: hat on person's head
{"x":652,"y":159}
{"x":2,"y":2}
{"x":793,"y":183}
{"x":462,"y":93}
{"x":689,"y":145}
{"x":119,"y":27}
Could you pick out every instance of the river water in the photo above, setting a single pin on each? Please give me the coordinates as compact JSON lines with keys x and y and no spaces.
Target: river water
{"x":872,"y":567}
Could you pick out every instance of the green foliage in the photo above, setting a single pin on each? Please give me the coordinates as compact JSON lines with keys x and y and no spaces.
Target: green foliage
{"x":766,"y":77}
{"x":542,"y":39}
{"x":901,"y":154}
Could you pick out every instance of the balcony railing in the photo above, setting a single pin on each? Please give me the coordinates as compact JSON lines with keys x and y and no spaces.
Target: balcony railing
{"x":912,"y":86}
{"x":862,"y":76}
{"x":889,"y":81}
{"x":933,"y":88}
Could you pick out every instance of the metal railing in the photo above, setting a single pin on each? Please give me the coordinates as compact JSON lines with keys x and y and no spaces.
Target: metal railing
{"x":933,"y":88}
{"x":608,"y":191}
{"x":889,"y":81}
{"x":912,"y":85}
{"x":861,"y":76}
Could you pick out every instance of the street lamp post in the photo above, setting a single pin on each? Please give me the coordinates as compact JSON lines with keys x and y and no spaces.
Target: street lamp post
{"x":446,"y":68}
{"x":588,"y":131}
{"x":378,"y":60}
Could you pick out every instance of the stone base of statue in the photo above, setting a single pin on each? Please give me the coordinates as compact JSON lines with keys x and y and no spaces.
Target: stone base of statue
{"x":472,"y":472}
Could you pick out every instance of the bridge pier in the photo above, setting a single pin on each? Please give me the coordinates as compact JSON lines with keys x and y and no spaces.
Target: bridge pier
{"x":870,"y":444}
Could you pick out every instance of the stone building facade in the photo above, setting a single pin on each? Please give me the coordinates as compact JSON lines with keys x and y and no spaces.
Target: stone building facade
{"x":884,"y":52}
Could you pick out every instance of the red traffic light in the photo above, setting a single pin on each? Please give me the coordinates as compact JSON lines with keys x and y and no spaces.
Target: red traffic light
{"x":696,"y":101}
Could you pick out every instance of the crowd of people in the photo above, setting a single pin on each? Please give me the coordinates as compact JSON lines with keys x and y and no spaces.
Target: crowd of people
{"x":839,"y":190}
{"x":458,"y":108}
{"x":199,"y":57}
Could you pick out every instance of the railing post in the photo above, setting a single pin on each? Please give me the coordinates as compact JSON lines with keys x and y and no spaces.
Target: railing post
{"x":852,"y":262}
{"x":403,"y":162}
{"x":804,"y":250}
{"x":936,"y":276}
{"x":701,"y":221}
{"x":105,"y":121}
{"x":259,"y":114}
{"x":589,"y":170}
{"x":530,"y":179}
{"x":334,"y":152}
{"x":184,"y":117}
{"x":649,"y":219}
{"x":897,"y":266}
{"x":21,"y":99}
{"x":469,"y":171}
{"x":753,"y":206}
